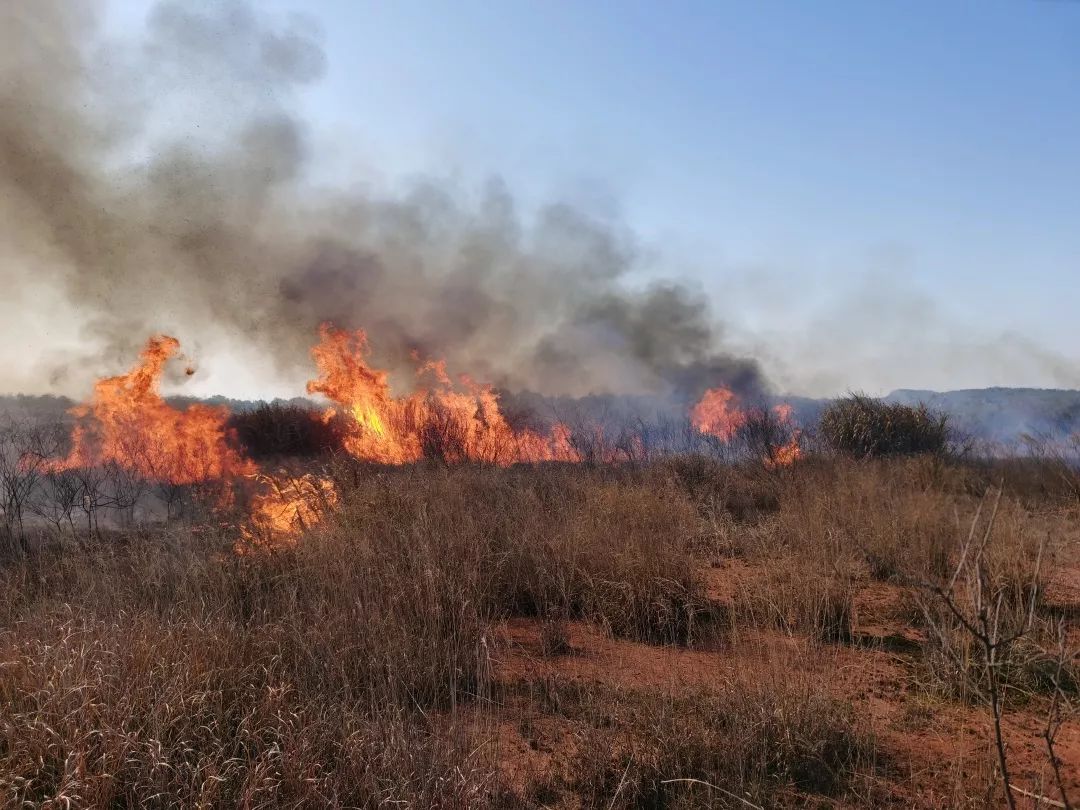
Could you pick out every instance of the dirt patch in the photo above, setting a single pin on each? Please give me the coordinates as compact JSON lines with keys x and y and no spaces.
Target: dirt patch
{"x":935,"y":749}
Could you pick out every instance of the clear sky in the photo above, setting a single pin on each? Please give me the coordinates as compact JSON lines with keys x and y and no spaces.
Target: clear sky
{"x":819,"y":168}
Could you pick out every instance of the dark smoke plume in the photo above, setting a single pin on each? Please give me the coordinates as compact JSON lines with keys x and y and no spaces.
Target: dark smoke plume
{"x":164,"y":185}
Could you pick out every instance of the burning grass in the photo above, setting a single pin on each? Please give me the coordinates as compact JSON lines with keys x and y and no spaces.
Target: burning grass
{"x":334,"y":631}
{"x":438,"y":420}
{"x":127,"y":439}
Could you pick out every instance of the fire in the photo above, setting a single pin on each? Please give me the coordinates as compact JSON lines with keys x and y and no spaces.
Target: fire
{"x":785,"y":455}
{"x":462,"y":423}
{"x":127,"y":422}
{"x":718,"y":413}
{"x":287,"y":507}
{"x":788,"y":453}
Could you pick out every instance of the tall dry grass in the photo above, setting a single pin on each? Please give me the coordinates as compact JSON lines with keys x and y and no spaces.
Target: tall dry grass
{"x":160,"y":664}
{"x":169,"y":671}
{"x":768,"y":740}
{"x":158,"y":667}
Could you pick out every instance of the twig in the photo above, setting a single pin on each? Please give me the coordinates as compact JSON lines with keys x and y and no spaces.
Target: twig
{"x":1054,"y":719}
{"x":622,"y":779}
{"x":1046,"y":799}
{"x":727,"y":793}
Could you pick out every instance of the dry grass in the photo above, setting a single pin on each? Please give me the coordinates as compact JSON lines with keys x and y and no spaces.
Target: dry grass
{"x":543,"y":540}
{"x":765,"y":742}
{"x":169,"y":669}
{"x":159,"y":668}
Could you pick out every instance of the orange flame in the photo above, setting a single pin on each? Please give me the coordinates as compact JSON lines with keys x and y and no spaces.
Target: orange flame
{"x":127,"y":422}
{"x":435,"y":421}
{"x":718,"y":413}
{"x":287,"y":507}
{"x":786,"y":454}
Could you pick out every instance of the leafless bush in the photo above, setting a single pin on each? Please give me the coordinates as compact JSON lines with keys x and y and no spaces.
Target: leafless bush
{"x":995,"y":613}
{"x":764,"y":435}
{"x":1065,"y":685}
{"x":58,"y":499}
{"x":25,"y":451}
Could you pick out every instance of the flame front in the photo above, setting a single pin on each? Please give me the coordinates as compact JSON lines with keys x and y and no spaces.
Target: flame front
{"x":128,"y":423}
{"x":287,"y":507}
{"x":462,"y":423}
{"x":719,"y":414}
{"x":789,"y":452}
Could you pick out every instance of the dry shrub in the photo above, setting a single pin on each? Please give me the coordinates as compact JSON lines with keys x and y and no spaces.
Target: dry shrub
{"x":286,"y":429}
{"x":633,"y":572}
{"x":900,"y":518}
{"x":864,"y":427}
{"x":761,"y":738}
{"x":745,"y":492}
{"x":556,"y":542}
{"x":1048,"y":475}
{"x":554,"y":638}
{"x":843,"y":524}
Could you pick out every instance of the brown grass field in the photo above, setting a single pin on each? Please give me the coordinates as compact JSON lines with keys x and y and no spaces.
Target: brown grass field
{"x":677,"y":634}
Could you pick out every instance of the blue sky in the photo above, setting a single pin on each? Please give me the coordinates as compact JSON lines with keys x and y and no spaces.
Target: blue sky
{"x":821,"y":169}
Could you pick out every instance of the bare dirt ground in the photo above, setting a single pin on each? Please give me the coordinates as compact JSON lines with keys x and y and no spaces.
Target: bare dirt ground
{"x":933,"y":751}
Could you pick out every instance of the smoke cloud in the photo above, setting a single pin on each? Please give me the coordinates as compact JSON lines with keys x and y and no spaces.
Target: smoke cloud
{"x":165,"y":186}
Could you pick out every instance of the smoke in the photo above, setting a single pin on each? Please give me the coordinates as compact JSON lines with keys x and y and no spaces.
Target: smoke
{"x":891,"y":334}
{"x":165,"y":185}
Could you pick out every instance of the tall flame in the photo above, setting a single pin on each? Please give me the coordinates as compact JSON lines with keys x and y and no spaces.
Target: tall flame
{"x":127,"y":422}
{"x":718,"y":413}
{"x":789,"y":452}
{"x":457,"y":424}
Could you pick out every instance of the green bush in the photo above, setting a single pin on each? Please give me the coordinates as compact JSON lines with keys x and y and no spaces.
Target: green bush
{"x":861,"y":426}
